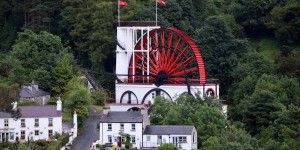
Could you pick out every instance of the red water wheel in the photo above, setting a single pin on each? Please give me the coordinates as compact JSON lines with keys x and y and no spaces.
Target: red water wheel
{"x":173,"y":57}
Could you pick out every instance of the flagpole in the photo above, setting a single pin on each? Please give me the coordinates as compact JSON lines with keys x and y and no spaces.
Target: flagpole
{"x":156,"y":13}
{"x":118,"y":12}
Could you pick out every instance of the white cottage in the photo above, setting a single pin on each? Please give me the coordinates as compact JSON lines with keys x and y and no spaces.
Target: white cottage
{"x":31,"y":92}
{"x":184,"y":137}
{"x":36,"y":122}
{"x":114,"y":125}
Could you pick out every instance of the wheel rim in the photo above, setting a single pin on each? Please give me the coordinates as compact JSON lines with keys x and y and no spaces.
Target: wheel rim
{"x":172,"y":53}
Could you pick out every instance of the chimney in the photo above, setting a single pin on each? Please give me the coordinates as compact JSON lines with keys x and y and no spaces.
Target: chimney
{"x":105,"y":110}
{"x":58,"y":105}
{"x":15,"y":105}
{"x":75,"y":124}
{"x":144,"y":113}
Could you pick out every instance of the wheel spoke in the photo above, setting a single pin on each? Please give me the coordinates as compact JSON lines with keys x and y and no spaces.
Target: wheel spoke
{"x":171,"y":51}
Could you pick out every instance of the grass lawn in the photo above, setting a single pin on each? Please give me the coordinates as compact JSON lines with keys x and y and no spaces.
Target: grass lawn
{"x":270,"y":47}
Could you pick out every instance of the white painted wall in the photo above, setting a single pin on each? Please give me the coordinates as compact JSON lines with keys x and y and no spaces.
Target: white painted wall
{"x":15,"y":128}
{"x":174,"y":91}
{"x":154,"y":142}
{"x":104,"y":132}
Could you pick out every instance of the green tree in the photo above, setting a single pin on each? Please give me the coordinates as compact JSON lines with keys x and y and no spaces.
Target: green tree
{"x":285,"y":20}
{"x":89,"y":25}
{"x":78,"y":99}
{"x":231,"y":138}
{"x":252,"y":14}
{"x":8,"y":95}
{"x":219,"y":49}
{"x":34,"y":56}
{"x":204,"y":114}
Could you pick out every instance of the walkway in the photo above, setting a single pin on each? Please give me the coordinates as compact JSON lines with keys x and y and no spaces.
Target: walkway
{"x":89,"y":133}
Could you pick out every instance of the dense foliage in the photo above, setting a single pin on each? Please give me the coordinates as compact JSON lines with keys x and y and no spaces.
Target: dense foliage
{"x":46,"y":41}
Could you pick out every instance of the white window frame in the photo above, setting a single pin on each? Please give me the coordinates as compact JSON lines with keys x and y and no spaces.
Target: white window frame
{"x":36,"y":132}
{"x":133,"y":140}
{"x":50,"y":122}
{"x":6,"y":123}
{"x":133,"y":127}
{"x":50,"y":133}
{"x":148,"y":138}
{"x":23,"y":135}
{"x":109,"y":127}
{"x":11,"y":136}
{"x":109,"y":139}
{"x":182,"y":139}
{"x":121,"y":126}
{"x":36,"y":122}
{"x":23,"y":123}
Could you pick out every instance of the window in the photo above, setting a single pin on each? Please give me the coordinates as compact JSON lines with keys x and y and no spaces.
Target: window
{"x":11,"y":137}
{"x":132,"y":139}
{"x":122,"y":126}
{"x":5,"y":122}
{"x":109,"y":139}
{"x":23,"y":123}
{"x":22,"y":134}
{"x":50,"y":122}
{"x":109,"y":127}
{"x":36,"y":122}
{"x":36,"y":132}
{"x":50,"y":133}
{"x":194,"y":137}
{"x":182,"y":139}
{"x":133,"y":127}
{"x":123,"y":139}
{"x":159,"y":139}
{"x":148,"y":138}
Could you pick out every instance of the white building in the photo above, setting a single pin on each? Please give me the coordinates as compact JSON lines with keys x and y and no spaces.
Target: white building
{"x":31,"y":92}
{"x":184,"y":137}
{"x":114,"y":125}
{"x":36,"y":122}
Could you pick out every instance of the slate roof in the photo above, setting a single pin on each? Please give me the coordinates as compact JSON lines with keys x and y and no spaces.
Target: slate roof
{"x":27,"y":93}
{"x":67,"y":125}
{"x":122,"y":117}
{"x":35,"y":112}
{"x":168,"y":130}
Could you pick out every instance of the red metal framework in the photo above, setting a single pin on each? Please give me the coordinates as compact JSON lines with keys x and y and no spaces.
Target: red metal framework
{"x":171,"y":53}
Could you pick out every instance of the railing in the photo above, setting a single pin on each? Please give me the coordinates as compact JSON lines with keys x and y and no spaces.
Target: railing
{"x":149,"y":144}
{"x":138,"y":23}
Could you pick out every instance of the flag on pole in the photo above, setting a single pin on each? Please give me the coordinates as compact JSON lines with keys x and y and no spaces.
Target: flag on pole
{"x":161,"y":2}
{"x":122,"y":3}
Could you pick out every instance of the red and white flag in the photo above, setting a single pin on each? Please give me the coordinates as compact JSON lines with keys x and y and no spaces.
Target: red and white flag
{"x":122,"y":3}
{"x":161,"y":2}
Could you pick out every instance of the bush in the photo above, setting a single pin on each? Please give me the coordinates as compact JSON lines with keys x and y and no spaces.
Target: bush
{"x":42,"y":143}
{"x":28,"y":103}
{"x":167,"y":146}
{"x":61,"y":141}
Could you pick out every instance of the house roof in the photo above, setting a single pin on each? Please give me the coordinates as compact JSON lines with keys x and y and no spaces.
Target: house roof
{"x":35,"y":112}
{"x":122,"y":117}
{"x":169,"y":129}
{"x":67,"y":125}
{"x":32,"y":93}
